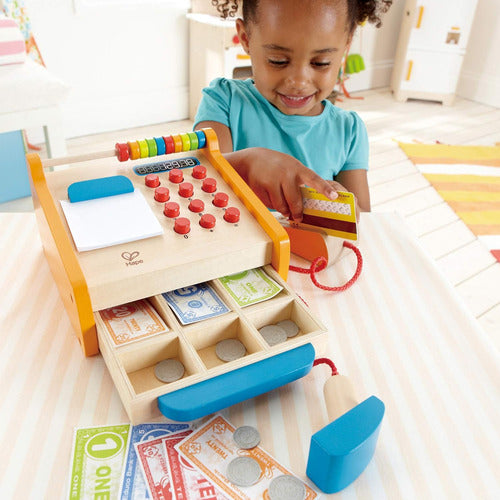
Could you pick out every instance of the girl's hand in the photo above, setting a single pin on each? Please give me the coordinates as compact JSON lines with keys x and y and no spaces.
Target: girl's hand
{"x":276,"y":179}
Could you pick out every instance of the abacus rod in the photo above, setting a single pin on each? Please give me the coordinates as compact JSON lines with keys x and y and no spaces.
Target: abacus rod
{"x":53,"y":162}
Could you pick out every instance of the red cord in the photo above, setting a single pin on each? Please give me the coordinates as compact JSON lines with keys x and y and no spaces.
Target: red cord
{"x":319,"y":263}
{"x":327,"y":361}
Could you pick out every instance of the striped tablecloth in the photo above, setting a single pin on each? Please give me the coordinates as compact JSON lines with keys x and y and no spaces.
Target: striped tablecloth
{"x":400,"y":333}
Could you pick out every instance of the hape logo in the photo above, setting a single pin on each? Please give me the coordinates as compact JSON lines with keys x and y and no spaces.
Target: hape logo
{"x":131,"y":257}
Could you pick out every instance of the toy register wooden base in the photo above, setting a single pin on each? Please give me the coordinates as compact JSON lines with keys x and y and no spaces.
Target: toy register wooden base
{"x":117,"y":233}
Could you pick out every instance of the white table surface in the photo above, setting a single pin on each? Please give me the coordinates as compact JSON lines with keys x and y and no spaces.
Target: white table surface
{"x":400,"y":333}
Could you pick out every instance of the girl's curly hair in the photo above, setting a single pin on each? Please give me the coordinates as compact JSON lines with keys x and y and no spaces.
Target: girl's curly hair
{"x":358,"y":11}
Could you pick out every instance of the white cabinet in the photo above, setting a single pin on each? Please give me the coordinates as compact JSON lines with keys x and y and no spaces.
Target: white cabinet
{"x":214,"y":50}
{"x":431,"y":48}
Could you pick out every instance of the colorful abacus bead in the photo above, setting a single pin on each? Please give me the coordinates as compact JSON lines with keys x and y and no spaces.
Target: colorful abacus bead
{"x":135,"y":151}
{"x":169,"y":144}
{"x":160,"y":146}
{"x":177,"y":143}
{"x":202,"y":139}
{"x":122,"y":151}
{"x":143,"y":147}
{"x":193,"y":138}
{"x":152,"y":148}
{"x":186,"y":142}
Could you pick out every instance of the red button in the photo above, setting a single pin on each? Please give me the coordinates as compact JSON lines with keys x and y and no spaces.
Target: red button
{"x":232,"y":214}
{"x":221,"y":199}
{"x":196,"y":206}
{"x":175,"y":175}
{"x":182,"y":225}
{"x":209,"y":185}
{"x":171,"y":209}
{"x":162,"y":194}
{"x":236,"y":40}
{"x":207,"y":221}
{"x":199,"y":172}
{"x":152,"y":180}
{"x":186,"y":189}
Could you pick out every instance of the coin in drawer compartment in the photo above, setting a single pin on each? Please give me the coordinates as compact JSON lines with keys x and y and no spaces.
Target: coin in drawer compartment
{"x":206,"y":337}
{"x":280,"y":314}
{"x":140,"y":364}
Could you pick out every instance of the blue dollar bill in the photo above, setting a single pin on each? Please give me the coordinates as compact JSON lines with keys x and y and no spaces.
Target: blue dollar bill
{"x":195,"y":303}
{"x":133,"y":486}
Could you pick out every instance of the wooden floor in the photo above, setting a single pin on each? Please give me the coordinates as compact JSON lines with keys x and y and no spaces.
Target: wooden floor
{"x":396,"y":185}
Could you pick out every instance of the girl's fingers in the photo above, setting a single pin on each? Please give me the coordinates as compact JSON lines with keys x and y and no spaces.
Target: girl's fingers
{"x":326,"y":188}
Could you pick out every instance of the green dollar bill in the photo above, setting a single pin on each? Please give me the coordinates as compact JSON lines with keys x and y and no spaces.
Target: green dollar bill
{"x":250,"y":287}
{"x":97,"y":459}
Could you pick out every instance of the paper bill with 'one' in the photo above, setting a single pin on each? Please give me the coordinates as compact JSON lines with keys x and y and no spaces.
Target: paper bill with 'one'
{"x":97,"y":459}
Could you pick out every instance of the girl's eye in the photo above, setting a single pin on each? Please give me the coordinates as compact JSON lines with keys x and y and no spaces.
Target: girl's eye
{"x":278,"y":62}
{"x":321,"y":64}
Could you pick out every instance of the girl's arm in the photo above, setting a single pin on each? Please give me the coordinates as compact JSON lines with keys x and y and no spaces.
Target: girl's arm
{"x":274,"y":177}
{"x":356,"y":181}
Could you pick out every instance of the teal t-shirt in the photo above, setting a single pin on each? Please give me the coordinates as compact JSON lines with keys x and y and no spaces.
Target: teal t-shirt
{"x":327,"y":143}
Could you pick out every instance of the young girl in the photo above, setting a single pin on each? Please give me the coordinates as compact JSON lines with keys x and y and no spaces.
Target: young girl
{"x":277,"y":129}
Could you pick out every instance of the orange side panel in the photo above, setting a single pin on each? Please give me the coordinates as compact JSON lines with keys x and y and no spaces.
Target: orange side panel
{"x":280,"y":259}
{"x":62,"y":259}
{"x":307,"y":244}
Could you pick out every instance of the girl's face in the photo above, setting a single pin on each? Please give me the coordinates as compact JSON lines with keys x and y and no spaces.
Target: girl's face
{"x":296,"y":47}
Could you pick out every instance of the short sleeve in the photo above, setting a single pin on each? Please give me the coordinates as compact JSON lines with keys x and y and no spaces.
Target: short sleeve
{"x":215,"y":103}
{"x":357,"y":147}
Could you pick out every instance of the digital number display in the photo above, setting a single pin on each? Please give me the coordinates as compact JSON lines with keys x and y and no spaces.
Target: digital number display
{"x":165,"y":166}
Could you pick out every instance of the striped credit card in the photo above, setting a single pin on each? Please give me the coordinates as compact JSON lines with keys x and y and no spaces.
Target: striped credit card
{"x":334,"y":217}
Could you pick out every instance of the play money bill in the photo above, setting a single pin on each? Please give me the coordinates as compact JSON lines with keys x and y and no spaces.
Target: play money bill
{"x":133,"y":321}
{"x":97,"y":459}
{"x":187,"y":482}
{"x":153,"y":462}
{"x":211,"y":448}
{"x":133,"y":486}
{"x":195,"y":303}
{"x":250,"y":287}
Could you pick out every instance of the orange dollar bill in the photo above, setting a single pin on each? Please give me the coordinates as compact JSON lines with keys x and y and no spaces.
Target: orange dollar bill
{"x":133,"y":321}
{"x":211,"y":448}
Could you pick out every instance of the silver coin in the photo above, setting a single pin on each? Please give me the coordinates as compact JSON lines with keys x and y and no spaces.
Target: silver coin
{"x":230,"y":349}
{"x":169,"y":370}
{"x":287,"y":487}
{"x":243,"y":471}
{"x":273,"y":334}
{"x":289,"y":326}
{"x":246,"y":437}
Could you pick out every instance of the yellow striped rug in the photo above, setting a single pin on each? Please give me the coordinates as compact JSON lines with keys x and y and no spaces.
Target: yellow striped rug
{"x":468,"y":179}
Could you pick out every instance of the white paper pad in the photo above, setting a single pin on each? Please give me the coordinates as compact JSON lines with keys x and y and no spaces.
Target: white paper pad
{"x":109,"y":221}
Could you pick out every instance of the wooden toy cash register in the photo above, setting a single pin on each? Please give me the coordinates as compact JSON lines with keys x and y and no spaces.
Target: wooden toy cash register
{"x":116,"y":231}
